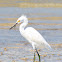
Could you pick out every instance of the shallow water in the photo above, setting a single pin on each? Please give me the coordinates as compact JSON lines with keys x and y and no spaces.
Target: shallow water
{"x":47,"y":20}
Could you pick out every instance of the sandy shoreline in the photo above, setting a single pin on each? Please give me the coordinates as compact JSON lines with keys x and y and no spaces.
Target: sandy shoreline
{"x":32,"y":5}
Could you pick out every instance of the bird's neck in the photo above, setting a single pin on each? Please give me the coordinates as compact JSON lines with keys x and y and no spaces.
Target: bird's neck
{"x":23,"y":25}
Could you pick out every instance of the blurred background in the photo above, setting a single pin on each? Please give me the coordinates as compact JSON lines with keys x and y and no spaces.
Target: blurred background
{"x":44,"y":15}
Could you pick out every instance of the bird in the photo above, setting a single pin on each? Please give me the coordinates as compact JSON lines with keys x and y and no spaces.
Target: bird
{"x":31,"y":35}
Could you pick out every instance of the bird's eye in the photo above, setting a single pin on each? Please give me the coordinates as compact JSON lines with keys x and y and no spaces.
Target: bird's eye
{"x":18,"y":21}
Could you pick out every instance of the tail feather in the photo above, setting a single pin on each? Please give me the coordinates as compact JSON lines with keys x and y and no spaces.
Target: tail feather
{"x":49,"y":47}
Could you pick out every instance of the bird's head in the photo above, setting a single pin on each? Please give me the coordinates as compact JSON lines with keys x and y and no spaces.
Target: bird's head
{"x":20,"y":20}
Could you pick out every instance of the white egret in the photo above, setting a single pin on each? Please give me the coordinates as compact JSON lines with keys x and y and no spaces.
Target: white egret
{"x":32,"y":35}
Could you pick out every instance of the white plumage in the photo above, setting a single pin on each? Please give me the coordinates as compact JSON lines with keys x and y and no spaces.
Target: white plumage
{"x":32,"y":35}
{"x":35,"y":38}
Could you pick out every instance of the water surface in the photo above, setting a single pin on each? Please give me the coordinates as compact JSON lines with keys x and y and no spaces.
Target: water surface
{"x":47,"y":20}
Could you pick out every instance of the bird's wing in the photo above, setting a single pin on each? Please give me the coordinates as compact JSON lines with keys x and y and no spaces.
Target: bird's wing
{"x":33,"y":35}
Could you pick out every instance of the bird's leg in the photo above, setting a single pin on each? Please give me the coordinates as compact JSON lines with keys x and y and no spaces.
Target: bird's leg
{"x":34,"y":57}
{"x":38,"y":55}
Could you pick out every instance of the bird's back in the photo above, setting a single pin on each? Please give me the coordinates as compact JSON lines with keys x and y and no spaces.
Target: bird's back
{"x":33,"y":35}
